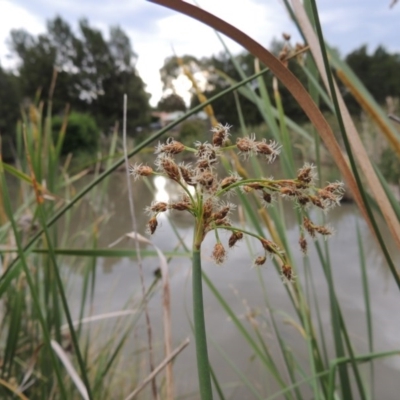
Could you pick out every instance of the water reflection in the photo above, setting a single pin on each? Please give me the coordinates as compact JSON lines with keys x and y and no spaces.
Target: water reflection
{"x":161,"y":194}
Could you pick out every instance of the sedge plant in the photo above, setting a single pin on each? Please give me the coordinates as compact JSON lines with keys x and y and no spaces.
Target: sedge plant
{"x":203,"y":196}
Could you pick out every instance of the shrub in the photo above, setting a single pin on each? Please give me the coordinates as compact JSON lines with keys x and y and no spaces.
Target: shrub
{"x":390,"y":165}
{"x":82,"y":133}
{"x":192,"y":130}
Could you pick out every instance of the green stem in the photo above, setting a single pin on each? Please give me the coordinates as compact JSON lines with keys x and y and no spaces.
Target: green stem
{"x":203,"y":367}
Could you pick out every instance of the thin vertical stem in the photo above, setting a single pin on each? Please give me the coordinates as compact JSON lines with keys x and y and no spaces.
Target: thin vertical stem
{"x":141,"y":275}
{"x":203,"y":367}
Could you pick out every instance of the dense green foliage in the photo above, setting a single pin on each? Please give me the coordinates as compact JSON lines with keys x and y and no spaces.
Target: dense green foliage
{"x":379,"y":72}
{"x":390,"y":166}
{"x":9,"y":110}
{"x":170,"y":103}
{"x":82,"y":134}
{"x":93,"y":73}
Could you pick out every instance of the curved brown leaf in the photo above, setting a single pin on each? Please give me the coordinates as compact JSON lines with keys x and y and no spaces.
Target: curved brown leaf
{"x":354,"y":138}
{"x":286,"y":77}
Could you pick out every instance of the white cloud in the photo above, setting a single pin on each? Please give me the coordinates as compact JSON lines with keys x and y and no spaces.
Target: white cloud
{"x":13,"y":16}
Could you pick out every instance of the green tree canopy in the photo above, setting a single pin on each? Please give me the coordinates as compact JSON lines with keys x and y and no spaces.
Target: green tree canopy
{"x":9,"y":109}
{"x":379,"y":72}
{"x":171,"y":102}
{"x":93,"y":73}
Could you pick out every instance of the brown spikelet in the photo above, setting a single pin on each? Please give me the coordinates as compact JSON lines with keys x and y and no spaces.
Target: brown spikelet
{"x":170,"y":168}
{"x":180,"y":206}
{"x":145,"y":170}
{"x":317,"y":201}
{"x":201,"y":151}
{"x":245,"y":144}
{"x":267,"y":197}
{"x":327,"y":195}
{"x":152,"y":225}
{"x":235,"y":237}
{"x":222,"y":213}
{"x":287,"y":273}
{"x":219,"y":253}
{"x":309,"y":226}
{"x":35,"y":184}
{"x":303,"y":244}
{"x":173,"y":147}
{"x":323,"y":230}
{"x":187,"y":175}
{"x":269,"y":246}
{"x":305,"y":174}
{"x":260,"y":260}
{"x":336,"y":187}
{"x":159,"y":207}
{"x":283,"y":56}
{"x":303,"y":200}
{"x":222,"y":222}
{"x":206,"y":179}
{"x":203,"y":164}
{"x":229,"y":180}
{"x":207,"y":210}
{"x":289,"y":191}
{"x":264,"y":148}
{"x":218,"y":137}
{"x":255,"y":186}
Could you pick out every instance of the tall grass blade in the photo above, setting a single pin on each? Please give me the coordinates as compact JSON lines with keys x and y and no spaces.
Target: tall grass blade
{"x":70,"y":369}
{"x":59,"y":284}
{"x":239,"y":373}
{"x":158,"y":369}
{"x":367,"y":300}
{"x":12,"y":389}
{"x":24,"y":266}
{"x":317,"y":46}
{"x":166,"y":304}
{"x":246,"y":335}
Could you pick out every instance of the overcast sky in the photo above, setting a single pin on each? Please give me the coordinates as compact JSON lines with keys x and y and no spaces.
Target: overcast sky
{"x":153,"y":29}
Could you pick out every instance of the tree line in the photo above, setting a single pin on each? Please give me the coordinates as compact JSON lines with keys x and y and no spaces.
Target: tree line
{"x":378,"y":70}
{"x":93,"y":73}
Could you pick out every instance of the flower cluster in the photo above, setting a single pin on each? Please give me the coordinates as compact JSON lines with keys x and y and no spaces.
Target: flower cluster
{"x":205,"y":202}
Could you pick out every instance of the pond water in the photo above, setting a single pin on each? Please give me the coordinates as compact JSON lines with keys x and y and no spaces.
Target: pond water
{"x":117,"y":280}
